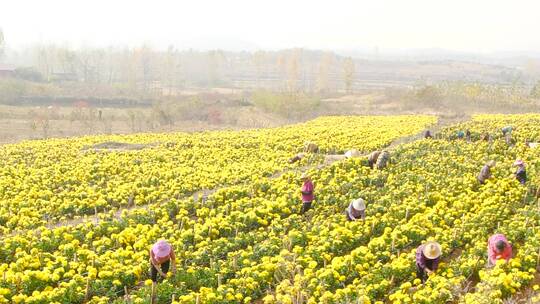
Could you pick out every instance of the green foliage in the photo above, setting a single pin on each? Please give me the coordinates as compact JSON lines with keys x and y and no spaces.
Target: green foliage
{"x":428,"y":95}
{"x":286,"y":104}
{"x":11,"y":89}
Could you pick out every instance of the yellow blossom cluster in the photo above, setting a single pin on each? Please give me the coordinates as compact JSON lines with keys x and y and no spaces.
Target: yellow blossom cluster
{"x":48,"y":181}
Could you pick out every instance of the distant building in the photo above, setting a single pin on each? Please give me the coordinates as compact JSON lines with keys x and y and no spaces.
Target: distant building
{"x":7,"y":71}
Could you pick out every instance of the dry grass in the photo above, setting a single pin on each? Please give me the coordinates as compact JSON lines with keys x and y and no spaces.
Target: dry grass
{"x":19,"y":123}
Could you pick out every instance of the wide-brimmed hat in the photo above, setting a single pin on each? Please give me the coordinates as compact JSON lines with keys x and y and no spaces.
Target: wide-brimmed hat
{"x":491,"y":163}
{"x":519,"y":162}
{"x":162,"y":249}
{"x":432,"y":250}
{"x":359,"y":204}
{"x":304,"y":175}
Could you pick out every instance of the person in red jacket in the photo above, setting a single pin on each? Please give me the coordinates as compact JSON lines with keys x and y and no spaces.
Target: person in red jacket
{"x":498,"y":248}
{"x":307,"y":192}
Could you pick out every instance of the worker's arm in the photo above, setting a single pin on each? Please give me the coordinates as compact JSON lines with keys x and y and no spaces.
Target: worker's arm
{"x":156,"y":265}
{"x":507,"y":253}
{"x":420,"y":260}
{"x":492,"y":255}
{"x":173,"y":262}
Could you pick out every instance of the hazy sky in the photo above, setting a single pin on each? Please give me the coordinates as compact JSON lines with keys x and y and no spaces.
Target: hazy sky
{"x":466,"y":25}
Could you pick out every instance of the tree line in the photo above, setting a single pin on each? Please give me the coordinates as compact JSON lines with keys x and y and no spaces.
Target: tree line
{"x":164,"y":72}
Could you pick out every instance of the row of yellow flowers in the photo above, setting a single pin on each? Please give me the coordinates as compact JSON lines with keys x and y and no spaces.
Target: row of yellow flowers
{"x":248,"y":243}
{"x":48,"y":181}
{"x":43,"y":265}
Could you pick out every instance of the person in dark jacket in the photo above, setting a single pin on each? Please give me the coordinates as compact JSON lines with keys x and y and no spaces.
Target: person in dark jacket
{"x":427,"y":259}
{"x":372,"y":158}
{"x":296,"y":158}
{"x":382,"y":160}
{"x":468,"y":135}
{"x":521,"y":173}
{"x":428,"y":134}
{"x":310,"y":147}
{"x":485,"y":173}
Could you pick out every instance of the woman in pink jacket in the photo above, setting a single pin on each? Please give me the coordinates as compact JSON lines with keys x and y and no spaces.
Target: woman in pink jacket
{"x":498,"y":248}
{"x":307,"y":193}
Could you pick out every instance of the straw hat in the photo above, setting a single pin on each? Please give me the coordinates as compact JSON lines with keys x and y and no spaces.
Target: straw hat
{"x":304,"y":175}
{"x":161,"y":249}
{"x":519,"y":162}
{"x":491,"y":163}
{"x":432,"y":250}
{"x":359,"y":204}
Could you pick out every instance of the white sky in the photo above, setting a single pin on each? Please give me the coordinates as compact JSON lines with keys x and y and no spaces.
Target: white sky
{"x":465,"y":25}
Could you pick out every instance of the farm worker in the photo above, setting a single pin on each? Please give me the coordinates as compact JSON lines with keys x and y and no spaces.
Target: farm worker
{"x":352,"y":153}
{"x":520,"y":173}
{"x":427,"y":259}
{"x":356,"y":210}
{"x":460,"y":134}
{"x":428,"y":134}
{"x":533,"y":145}
{"x":311,"y":148}
{"x":468,"y":135}
{"x":372,"y":158}
{"x":382,"y":160}
{"x":507,"y":130}
{"x":307,"y":192}
{"x":296,"y":158}
{"x":485,"y":173}
{"x":498,"y":248}
{"x":486,"y":136}
{"x":161,"y":257}
{"x":508,"y":139}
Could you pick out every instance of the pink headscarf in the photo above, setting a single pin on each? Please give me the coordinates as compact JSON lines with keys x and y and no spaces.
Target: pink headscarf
{"x":161,"y":249}
{"x":519,"y":162}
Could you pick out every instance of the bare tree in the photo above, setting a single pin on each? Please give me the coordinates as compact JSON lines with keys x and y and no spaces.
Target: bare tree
{"x":293,"y":70}
{"x":348,"y":73}
{"x":215,"y":60}
{"x":323,"y":76}
{"x":45,"y":60}
{"x":67,"y":59}
{"x":258,"y":60}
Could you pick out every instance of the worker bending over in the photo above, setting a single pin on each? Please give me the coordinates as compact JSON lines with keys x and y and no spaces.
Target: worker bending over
{"x":382,"y":160}
{"x":521,"y":173}
{"x":307,"y":192}
{"x":427,"y":259}
{"x":356,"y":210}
{"x":498,"y":249}
{"x":485,"y":173}
{"x":372,"y":158}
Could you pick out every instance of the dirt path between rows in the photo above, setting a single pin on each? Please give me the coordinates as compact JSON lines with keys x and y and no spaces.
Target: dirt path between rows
{"x":95,"y":219}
